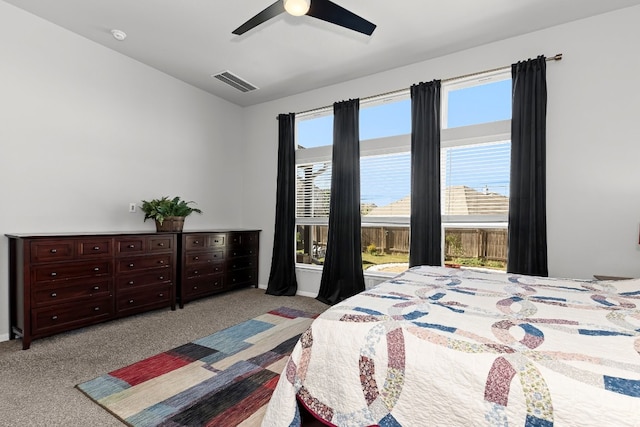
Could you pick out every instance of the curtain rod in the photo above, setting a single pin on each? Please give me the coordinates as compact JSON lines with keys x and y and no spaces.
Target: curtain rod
{"x":556,"y":57}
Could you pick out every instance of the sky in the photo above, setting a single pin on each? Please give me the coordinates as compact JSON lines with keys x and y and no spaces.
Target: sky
{"x":385,"y":180}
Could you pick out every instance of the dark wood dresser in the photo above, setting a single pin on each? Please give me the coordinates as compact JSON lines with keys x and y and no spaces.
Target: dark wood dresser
{"x":214,"y":261}
{"x":66,"y":281}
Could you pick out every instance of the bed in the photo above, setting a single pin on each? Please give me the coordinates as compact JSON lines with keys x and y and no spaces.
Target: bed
{"x":439,"y":346}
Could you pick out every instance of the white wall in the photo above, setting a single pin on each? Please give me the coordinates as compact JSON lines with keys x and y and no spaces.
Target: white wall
{"x":84,"y":131}
{"x":593,"y":140}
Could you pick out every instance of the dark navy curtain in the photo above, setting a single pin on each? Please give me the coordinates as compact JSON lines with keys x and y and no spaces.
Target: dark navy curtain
{"x":342,"y":275}
{"x":527,"y":253}
{"x":282,"y":278}
{"x":426,"y":219}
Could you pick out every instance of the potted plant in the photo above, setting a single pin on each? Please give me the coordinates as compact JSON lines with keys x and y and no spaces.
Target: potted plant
{"x":168,"y":213}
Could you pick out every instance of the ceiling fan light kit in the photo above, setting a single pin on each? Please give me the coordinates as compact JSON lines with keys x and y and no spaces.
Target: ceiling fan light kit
{"x":324,"y":10}
{"x":297,"y":7}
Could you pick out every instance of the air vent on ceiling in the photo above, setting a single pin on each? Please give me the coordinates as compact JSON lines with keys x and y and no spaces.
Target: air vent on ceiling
{"x":232,"y":80}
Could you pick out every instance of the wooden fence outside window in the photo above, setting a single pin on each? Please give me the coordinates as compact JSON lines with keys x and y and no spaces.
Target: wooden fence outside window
{"x":489,"y":244}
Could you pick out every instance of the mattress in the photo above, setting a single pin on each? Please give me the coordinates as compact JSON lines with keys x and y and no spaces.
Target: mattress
{"x":439,"y":346}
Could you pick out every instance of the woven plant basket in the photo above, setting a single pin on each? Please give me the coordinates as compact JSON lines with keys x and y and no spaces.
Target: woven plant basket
{"x":170,"y":224}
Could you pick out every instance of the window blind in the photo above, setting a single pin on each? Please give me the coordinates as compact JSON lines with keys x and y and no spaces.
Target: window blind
{"x":475,"y":179}
{"x":313,"y":190}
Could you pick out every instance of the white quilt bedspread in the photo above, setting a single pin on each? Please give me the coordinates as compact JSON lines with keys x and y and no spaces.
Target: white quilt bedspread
{"x":438,"y":346}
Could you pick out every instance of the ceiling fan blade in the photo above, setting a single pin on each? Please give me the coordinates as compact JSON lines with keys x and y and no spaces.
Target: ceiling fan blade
{"x":270,"y":12}
{"x":328,"y":11}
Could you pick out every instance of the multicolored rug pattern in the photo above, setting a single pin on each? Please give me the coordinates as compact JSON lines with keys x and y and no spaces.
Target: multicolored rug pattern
{"x":224,"y":379}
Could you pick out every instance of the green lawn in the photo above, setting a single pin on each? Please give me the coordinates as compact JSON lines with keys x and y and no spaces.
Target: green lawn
{"x":368,"y":259}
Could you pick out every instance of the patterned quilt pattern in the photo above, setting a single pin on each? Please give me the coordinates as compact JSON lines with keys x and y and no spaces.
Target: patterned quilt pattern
{"x":438,"y":346}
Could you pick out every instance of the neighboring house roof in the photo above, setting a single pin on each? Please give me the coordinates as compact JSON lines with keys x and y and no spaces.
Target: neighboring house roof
{"x":463,"y":200}
{"x":459,"y":200}
{"x":398,"y":208}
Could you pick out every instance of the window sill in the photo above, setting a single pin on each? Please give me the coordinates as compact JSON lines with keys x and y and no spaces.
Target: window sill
{"x":378,"y":274}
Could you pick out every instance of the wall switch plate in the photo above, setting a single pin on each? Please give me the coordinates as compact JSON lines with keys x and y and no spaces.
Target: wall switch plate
{"x":132,"y":207}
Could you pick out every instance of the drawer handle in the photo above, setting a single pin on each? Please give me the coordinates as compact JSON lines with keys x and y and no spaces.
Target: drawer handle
{"x":53,"y":295}
{"x":195,"y":242}
{"x":195,"y":272}
{"x":161,"y":262}
{"x":96,"y":268}
{"x":131,"y":246}
{"x":160,"y":244}
{"x":130,"y":301}
{"x":160,"y":295}
{"x":96,"y":248}
{"x":54,"y":317}
{"x":96,"y":288}
{"x":234,"y":266}
{"x":131,"y":282}
{"x":250,"y":252}
{"x":54,"y":274}
{"x":161,"y":278}
{"x":215,"y":255}
{"x":131,"y":265}
{"x":195,"y":287}
{"x":96,"y":308}
{"x":53,"y":251}
{"x":196,"y":258}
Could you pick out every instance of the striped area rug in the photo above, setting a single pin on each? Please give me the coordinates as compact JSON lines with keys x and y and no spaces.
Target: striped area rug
{"x":225,"y":379}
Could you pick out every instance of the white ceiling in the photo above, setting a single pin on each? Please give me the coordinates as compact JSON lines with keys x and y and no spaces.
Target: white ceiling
{"x":191,"y":39}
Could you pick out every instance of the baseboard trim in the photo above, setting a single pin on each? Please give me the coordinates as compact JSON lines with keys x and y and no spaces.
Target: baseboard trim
{"x":4,"y":337}
{"x":306,"y":294}
{"x":300,"y":293}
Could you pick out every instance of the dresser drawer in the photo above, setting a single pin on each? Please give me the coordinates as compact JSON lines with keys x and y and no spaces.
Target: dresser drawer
{"x":242,"y":277}
{"x":244,"y":239}
{"x":241,"y":251}
{"x":198,"y":241}
{"x":71,"y":290}
{"x":67,"y":316}
{"x":51,"y":250}
{"x":203,"y":270}
{"x":217,"y":240}
{"x":204,"y":257}
{"x":130,"y":245}
{"x":143,"y":299}
{"x":202,"y":285}
{"x":160,"y":244}
{"x":126,"y":265}
{"x":94,"y":247}
{"x":242,"y":263}
{"x":131,"y":281}
{"x":72,"y":270}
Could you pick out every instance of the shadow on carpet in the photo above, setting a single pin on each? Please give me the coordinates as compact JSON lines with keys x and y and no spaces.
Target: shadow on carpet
{"x":225,"y":379}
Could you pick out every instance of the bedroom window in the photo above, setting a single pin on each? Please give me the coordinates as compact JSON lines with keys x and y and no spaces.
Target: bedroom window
{"x":475,"y":168}
{"x":474,"y":175}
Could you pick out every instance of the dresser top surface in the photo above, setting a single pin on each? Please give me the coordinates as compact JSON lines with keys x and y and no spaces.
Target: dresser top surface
{"x":122,"y":233}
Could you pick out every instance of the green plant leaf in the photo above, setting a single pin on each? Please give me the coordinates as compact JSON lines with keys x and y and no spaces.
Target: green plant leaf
{"x":159,"y":209}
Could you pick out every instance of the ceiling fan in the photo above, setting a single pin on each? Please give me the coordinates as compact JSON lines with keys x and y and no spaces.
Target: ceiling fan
{"x":324,"y":10}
